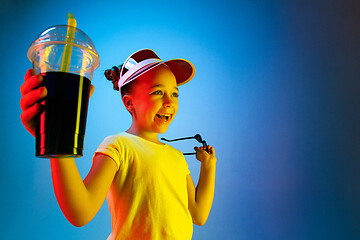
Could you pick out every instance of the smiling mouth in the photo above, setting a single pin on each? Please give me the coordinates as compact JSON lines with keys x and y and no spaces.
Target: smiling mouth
{"x":164,"y":117}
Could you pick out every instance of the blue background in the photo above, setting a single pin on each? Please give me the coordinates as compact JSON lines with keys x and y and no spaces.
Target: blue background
{"x":276,"y":91}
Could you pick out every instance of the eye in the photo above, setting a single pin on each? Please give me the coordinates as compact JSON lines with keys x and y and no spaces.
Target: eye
{"x":157,"y":92}
{"x":175,"y":94}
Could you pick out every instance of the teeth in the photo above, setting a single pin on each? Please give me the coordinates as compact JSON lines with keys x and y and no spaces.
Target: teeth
{"x":163,"y":116}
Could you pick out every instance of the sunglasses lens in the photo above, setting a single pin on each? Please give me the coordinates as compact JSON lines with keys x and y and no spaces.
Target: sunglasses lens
{"x":198,"y":138}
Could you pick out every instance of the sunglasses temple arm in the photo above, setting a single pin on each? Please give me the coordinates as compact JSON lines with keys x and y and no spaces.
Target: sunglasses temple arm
{"x":189,"y":153}
{"x":178,"y":139}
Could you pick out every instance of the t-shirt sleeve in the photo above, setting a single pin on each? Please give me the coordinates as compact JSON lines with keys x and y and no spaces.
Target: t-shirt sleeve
{"x":112,"y":148}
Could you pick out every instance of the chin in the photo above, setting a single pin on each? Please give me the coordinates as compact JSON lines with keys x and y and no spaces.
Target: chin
{"x":162,"y":130}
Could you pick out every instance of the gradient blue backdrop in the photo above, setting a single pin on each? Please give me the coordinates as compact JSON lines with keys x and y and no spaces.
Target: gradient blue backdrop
{"x":276,"y":92}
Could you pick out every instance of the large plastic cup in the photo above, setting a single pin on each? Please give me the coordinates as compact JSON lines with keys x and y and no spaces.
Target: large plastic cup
{"x":61,"y":129}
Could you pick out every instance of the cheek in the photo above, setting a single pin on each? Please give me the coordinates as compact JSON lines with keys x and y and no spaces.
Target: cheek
{"x":148,"y":108}
{"x":176,"y":106}
{"x":141,"y":103}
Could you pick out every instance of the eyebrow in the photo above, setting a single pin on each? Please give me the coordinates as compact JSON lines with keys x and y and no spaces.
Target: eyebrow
{"x":161,"y":85}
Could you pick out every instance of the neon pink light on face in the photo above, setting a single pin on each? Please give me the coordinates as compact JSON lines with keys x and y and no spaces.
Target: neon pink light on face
{"x":155,"y":100}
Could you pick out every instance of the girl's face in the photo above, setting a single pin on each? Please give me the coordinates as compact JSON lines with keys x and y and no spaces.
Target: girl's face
{"x":154,"y":100}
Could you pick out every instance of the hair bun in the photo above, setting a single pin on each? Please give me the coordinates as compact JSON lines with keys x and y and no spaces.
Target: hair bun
{"x":113,"y":75}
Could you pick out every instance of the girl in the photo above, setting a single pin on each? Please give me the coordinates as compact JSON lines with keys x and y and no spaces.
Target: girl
{"x":148,"y":186}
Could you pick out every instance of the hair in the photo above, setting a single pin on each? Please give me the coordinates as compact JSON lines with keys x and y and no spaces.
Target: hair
{"x":113,"y":75}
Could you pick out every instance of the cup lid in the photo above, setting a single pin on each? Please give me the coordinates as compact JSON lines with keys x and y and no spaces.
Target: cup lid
{"x":57,"y":35}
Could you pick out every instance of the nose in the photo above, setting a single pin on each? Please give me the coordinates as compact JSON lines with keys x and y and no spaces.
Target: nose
{"x":168,"y":101}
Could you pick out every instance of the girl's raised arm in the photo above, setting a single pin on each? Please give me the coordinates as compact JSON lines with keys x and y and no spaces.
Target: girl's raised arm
{"x":79,"y":200}
{"x":201,"y":197}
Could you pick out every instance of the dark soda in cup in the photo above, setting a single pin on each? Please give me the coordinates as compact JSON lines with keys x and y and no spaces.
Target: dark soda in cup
{"x":61,"y":129}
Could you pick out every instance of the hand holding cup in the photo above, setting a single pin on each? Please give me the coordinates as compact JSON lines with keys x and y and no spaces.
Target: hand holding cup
{"x":33,"y":92}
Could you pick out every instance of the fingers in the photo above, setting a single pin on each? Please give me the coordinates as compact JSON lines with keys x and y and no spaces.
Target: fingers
{"x":28,"y":117}
{"x":31,"y":82}
{"x":200,"y":148}
{"x":208,"y":149}
{"x":92,"y":89}
{"x":206,"y":155}
{"x":31,"y":98}
{"x":30,"y":113}
{"x":211,"y":150}
{"x":30,"y":72}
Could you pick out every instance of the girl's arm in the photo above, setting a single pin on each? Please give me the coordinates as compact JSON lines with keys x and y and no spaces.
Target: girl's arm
{"x":80,"y":200}
{"x":201,"y":197}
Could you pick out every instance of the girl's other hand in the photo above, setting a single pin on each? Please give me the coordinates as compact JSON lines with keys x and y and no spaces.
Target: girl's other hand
{"x":206,"y":156}
{"x":33,"y":92}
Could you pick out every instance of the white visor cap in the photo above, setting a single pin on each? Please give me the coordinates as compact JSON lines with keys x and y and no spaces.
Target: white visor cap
{"x":144,"y":60}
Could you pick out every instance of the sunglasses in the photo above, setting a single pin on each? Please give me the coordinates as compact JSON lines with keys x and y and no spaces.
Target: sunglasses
{"x":197,"y":137}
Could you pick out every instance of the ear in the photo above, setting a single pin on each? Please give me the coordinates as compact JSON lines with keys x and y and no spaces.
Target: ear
{"x":128,"y":103}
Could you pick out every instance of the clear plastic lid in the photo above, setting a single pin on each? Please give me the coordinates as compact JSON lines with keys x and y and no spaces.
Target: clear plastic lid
{"x":47,"y":51}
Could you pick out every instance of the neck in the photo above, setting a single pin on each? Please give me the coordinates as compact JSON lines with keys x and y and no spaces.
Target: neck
{"x":150,"y":136}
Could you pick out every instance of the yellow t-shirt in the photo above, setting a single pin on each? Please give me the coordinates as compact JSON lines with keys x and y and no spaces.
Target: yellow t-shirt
{"x":148,"y":197}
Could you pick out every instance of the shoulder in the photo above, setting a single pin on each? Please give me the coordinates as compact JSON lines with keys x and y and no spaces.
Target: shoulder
{"x":175,"y":151}
{"x":118,"y":147}
{"x":117,"y":138}
{"x":115,"y":143}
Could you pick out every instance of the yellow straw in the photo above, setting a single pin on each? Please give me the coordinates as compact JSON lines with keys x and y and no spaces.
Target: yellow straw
{"x":81,"y":82}
{"x":70,"y":33}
